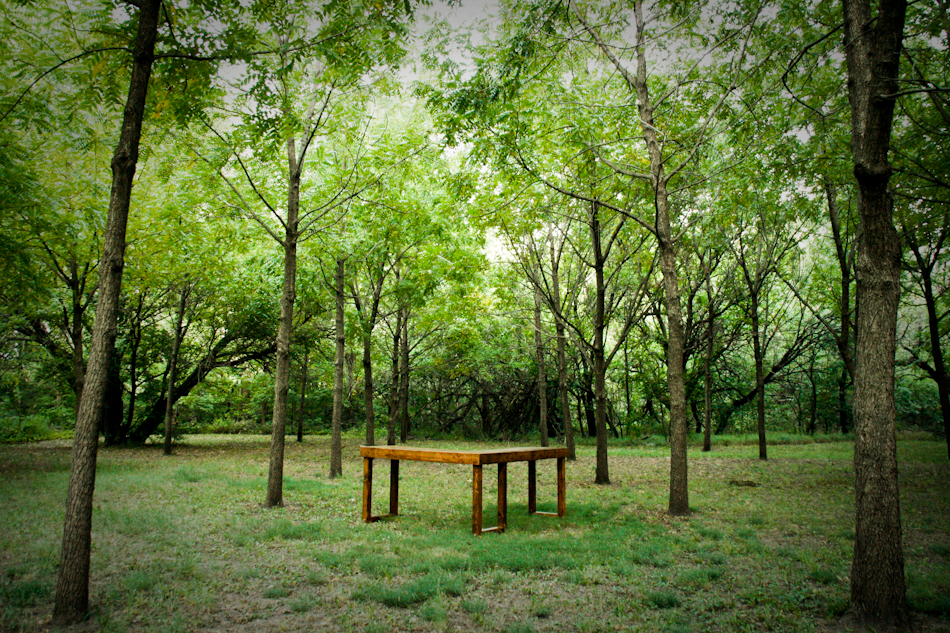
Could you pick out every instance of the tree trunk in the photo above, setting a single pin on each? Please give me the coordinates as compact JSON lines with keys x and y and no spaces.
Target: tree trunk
{"x":843,"y":412}
{"x":76,"y":332}
{"x":368,"y":386}
{"x":872,"y":50}
{"x":275,"y":476}
{"x":844,"y":267}
{"x":707,"y":365}
{"x":303,"y":393}
{"x":542,"y":377}
{"x":336,"y":439}
{"x":759,"y":375}
{"x":173,"y":367}
{"x":394,"y":388}
{"x":598,"y":360}
{"x":71,"y":603}
{"x":679,"y":490}
{"x":561,"y":360}
{"x":939,"y":370}
{"x":404,"y":378}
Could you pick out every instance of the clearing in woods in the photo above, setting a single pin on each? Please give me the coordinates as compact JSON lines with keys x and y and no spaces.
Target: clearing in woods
{"x":183,"y":543}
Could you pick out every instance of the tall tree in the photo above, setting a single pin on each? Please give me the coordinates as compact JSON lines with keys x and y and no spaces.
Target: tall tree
{"x":873,"y":50}
{"x":72,"y":585}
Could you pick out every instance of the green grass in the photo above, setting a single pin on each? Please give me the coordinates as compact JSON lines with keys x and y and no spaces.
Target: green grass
{"x":183,"y":543}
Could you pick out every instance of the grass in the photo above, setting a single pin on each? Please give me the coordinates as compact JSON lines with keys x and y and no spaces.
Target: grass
{"x":182,"y":543}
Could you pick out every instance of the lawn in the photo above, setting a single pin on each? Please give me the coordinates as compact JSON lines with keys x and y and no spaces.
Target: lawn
{"x":182,"y":543}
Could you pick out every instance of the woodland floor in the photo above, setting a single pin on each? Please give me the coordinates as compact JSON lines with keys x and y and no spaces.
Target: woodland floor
{"x":182,"y":543}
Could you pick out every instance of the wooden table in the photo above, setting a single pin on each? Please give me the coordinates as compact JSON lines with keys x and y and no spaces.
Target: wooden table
{"x":500,"y":456}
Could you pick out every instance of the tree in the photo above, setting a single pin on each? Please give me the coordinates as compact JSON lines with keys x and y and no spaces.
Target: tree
{"x":72,"y":586}
{"x":872,"y":51}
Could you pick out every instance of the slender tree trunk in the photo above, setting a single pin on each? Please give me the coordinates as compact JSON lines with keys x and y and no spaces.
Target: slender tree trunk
{"x":336,"y":440}
{"x":602,"y":475}
{"x":71,"y":603}
{"x":759,"y":375}
{"x":843,"y":413}
{"x":404,"y":378}
{"x":707,"y":365}
{"x":813,"y":417}
{"x":872,"y":50}
{"x":563,"y":393}
{"x":542,"y":376}
{"x":843,"y":340}
{"x":394,"y":388}
{"x":173,"y":367}
{"x":303,"y":393}
{"x":275,"y":477}
{"x":368,"y":387}
{"x":76,"y":332}
{"x":939,"y":370}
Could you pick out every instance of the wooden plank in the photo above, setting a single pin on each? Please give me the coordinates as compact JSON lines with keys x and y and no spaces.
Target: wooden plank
{"x":504,"y":455}
{"x":477,"y":499}
{"x":532,"y":487}
{"x":490,"y":456}
{"x":394,"y":487}
{"x":420,"y":454}
{"x":502,"y":496}
{"x":367,"y":489}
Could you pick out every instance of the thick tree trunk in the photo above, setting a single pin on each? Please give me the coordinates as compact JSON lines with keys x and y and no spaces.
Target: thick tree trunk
{"x":71,"y":603}
{"x":336,"y":437}
{"x":872,"y":50}
{"x":759,"y":375}
{"x":679,"y":486}
{"x":303,"y":393}
{"x":542,"y":376}
{"x":275,"y":475}
{"x":173,"y":367}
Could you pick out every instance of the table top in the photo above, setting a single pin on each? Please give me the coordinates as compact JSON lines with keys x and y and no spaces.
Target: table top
{"x":448,"y":456}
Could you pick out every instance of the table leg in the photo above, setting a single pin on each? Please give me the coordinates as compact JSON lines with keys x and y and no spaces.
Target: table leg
{"x":367,"y":489}
{"x":532,"y":487}
{"x":561,"y":487}
{"x":394,"y":487}
{"x":477,"y":499}
{"x":502,"y":496}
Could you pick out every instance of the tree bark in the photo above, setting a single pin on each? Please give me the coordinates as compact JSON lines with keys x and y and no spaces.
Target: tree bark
{"x":679,"y":482}
{"x":563,"y":393}
{"x":336,"y":438}
{"x":759,"y":374}
{"x":707,"y":365}
{"x":71,"y":603}
{"x":404,"y":378}
{"x":173,"y":366}
{"x":925,"y":266}
{"x":394,"y":388}
{"x":602,"y":475}
{"x":542,"y":376}
{"x":275,"y":475}
{"x":368,"y":387}
{"x":872,"y":50}
{"x":303,"y":393}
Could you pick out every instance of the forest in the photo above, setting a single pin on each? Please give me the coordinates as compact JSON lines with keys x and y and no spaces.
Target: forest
{"x":622,"y":221}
